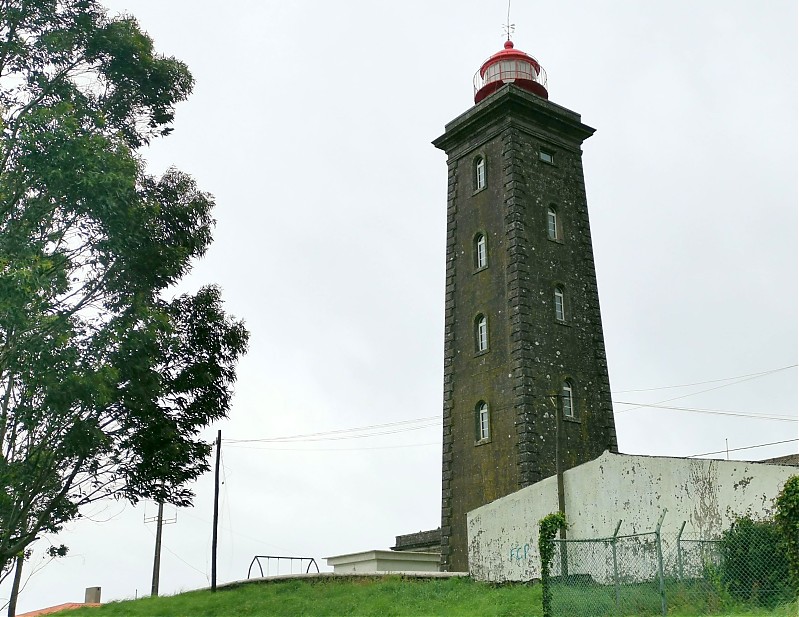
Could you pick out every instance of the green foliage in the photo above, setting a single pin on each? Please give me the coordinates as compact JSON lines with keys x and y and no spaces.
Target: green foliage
{"x":548,"y":527}
{"x":787,"y":518}
{"x":57,"y":551}
{"x":754,"y":565}
{"x":105,"y":382}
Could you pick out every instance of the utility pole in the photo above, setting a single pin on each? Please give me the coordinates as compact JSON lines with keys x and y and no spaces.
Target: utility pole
{"x":216,"y":509}
{"x":159,"y":521}
{"x":157,"y":558}
{"x":558,"y":455}
{"x":564,"y":567}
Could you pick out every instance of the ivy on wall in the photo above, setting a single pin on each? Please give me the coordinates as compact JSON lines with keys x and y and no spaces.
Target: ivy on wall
{"x":548,"y":527}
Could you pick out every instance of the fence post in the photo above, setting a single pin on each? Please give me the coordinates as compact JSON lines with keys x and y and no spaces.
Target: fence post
{"x":616,"y":567}
{"x":679,"y":550}
{"x":659,"y":549}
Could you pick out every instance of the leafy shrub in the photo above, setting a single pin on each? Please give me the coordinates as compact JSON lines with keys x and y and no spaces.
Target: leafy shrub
{"x":754,"y":563}
{"x":787,"y":518}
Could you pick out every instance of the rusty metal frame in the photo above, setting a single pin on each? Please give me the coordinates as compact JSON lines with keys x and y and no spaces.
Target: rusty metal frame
{"x":257,"y":560}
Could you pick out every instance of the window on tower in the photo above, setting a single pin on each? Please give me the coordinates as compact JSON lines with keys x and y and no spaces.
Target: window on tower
{"x":552,"y":224}
{"x":481,"y":333}
{"x":482,"y":421}
{"x":567,"y":399}
{"x":480,"y":252}
{"x":560,"y":307}
{"x":525,"y":70}
{"x":479,"y":173}
{"x":546,"y":157}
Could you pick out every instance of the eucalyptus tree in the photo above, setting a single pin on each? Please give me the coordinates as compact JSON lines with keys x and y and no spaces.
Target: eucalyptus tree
{"x":105,"y":380}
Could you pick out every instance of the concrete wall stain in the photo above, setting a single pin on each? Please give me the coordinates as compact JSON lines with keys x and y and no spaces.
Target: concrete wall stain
{"x":703,"y":489}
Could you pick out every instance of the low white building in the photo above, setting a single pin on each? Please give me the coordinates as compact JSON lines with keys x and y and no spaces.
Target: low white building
{"x":707,"y":495}
{"x":384,"y":561}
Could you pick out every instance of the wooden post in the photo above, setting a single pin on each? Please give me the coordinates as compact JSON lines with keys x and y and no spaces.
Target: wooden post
{"x":157,"y":558}
{"x":216,"y":510}
{"x":564,"y":560}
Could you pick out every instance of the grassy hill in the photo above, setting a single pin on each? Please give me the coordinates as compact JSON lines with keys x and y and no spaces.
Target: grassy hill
{"x":390,"y":595}
{"x":383,"y":596}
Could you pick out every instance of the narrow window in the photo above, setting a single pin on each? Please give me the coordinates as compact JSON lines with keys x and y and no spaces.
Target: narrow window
{"x":481,"y":333}
{"x":483,"y":425}
{"x":479,"y":173}
{"x":480,"y":256}
{"x":552,"y":223}
{"x":547,"y":157}
{"x":560,"y":310}
{"x":567,"y":400}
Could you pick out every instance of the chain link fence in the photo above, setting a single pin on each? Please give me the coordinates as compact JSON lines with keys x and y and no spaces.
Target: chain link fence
{"x":656,"y":574}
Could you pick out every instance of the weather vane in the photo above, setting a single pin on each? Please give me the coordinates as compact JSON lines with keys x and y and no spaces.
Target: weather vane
{"x":507,"y":26}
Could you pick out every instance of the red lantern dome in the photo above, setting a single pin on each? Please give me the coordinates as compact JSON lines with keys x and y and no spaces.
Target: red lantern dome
{"x":510,"y":66}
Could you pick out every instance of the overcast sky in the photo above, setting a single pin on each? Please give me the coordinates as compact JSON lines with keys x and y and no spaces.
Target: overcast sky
{"x":311,"y":123}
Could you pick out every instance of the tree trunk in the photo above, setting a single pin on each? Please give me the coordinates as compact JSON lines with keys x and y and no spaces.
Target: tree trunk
{"x":12,"y":602}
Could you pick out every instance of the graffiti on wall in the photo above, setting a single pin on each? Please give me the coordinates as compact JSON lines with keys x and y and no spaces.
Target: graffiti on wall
{"x":519,"y":552}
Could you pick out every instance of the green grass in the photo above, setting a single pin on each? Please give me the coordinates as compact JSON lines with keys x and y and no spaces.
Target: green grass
{"x":391,"y":595}
{"x":384,"y":596}
{"x":695,"y":598}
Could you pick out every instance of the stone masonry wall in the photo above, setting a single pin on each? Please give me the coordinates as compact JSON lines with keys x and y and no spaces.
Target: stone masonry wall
{"x":530,"y":352}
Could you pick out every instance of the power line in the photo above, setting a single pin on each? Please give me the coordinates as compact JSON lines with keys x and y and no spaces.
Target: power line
{"x":417,"y":445}
{"x":243,"y":535}
{"x":760,"y":445}
{"x":394,"y":427}
{"x":402,"y":426}
{"x":311,"y":438}
{"x":174,"y":554}
{"x":278,"y":449}
{"x":720,"y":412}
{"x":702,"y":383}
{"x":226,"y":503}
{"x":339,"y":435}
{"x":169,"y":550}
{"x":742,"y":380}
{"x":372,"y":434}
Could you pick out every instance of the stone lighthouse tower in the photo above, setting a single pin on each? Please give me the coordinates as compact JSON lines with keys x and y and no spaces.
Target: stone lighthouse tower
{"x":526,"y":384}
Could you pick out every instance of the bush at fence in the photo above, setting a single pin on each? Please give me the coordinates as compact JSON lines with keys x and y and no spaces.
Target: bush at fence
{"x":787,"y":517}
{"x":754,"y":563}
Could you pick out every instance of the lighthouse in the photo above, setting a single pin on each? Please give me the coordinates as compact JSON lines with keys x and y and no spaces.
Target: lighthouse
{"x":510,"y":66}
{"x":526,"y":388}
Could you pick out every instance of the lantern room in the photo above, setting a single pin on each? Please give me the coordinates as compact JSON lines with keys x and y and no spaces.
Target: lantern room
{"x":510,"y":66}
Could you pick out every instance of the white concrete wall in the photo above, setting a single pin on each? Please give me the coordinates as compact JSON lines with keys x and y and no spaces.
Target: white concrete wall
{"x":707,"y":494}
{"x":503,"y":534}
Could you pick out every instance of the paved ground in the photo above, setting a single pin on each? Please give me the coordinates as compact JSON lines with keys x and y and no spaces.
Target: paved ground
{"x":55,"y":609}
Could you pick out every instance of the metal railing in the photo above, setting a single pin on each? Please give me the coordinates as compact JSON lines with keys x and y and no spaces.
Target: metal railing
{"x":509,"y":71}
{"x":276,"y":560}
